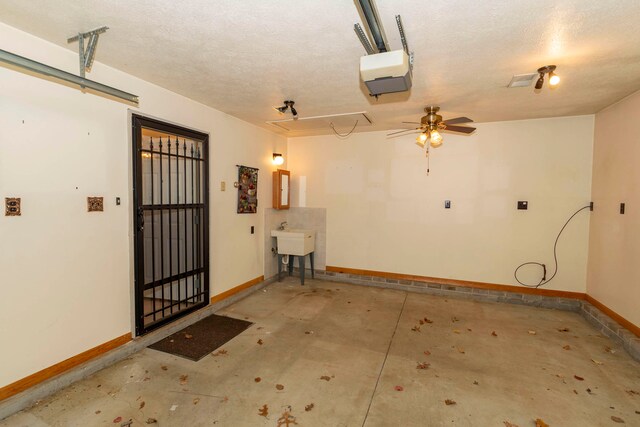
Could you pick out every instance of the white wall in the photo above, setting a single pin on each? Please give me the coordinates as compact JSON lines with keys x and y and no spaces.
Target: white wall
{"x":384,"y":213}
{"x":66,"y":275}
{"x":614,"y":245}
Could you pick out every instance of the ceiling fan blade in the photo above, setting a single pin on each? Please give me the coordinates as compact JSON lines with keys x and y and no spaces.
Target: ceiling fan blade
{"x":402,"y":131}
{"x":457,"y":120}
{"x":413,"y":123}
{"x":461,"y":129}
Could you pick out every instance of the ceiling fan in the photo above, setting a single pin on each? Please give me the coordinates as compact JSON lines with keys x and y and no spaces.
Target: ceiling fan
{"x":431,"y":125}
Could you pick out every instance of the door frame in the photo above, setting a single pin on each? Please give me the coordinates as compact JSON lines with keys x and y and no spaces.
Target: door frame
{"x":137,"y":123}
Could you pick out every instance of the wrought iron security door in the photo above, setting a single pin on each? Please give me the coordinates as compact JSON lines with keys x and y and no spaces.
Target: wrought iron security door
{"x":171,"y":222}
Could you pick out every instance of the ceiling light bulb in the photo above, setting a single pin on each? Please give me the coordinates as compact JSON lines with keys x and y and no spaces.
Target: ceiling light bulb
{"x":554,"y":79}
{"x":420,"y":142}
{"x":278,"y":159}
{"x":436,"y":138}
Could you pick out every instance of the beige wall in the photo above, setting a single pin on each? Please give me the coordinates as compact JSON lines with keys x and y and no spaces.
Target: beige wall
{"x":614,"y":244}
{"x":384,"y":213}
{"x":66,"y":275}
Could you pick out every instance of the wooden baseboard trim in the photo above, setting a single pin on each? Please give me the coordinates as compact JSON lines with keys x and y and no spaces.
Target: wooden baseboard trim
{"x":454,"y":282}
{"x":47,"y":373}
{"x":615,"y":316}
{"x":233,"y":291}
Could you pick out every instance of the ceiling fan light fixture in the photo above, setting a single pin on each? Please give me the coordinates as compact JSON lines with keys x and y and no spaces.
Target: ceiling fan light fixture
{"x":540,"y":81}
{"x":436,"y":138}
{"x":421,"y":140}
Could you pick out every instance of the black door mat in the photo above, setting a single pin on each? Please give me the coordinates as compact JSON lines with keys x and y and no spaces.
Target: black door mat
{"x":203,"y":337}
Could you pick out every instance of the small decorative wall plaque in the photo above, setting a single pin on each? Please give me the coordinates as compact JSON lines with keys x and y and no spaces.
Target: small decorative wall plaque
{"x":12,"y":206}
{"x":95,"y":204}
{"x":247,"y":189}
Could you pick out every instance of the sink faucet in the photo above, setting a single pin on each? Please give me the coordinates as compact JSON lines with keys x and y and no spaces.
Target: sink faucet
{"x":282,"y":225}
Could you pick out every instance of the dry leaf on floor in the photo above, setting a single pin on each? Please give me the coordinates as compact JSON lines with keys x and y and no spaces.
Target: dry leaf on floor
{"x":632,"y":392}
{"x":575,"y":391}
{"x":142,"y":404}
{"x":260,"y":342}
{"x":508,"y":424}
{"x":184,"y":379}
{"x":220,"y":352}
{"x":449,"y":402}
{"x":188,"y":336}
{"x":117,"y":420}
{"x":566,"y":347}
{"x":325,"y":377}
{"x":460,"y":350}
{"x":416,"y":328}
{"x":398,"y":388}
{"x":638,"y":412}
{"x":257,"y":379}
{"x":427,"y":320}
{"x":279,"y":387}
{"x":578,"y":378}
{"x":608,"y":349}
{"x":494,"y":335}
{"x":456,"y":331}
{"x":454,"y":319}
{"x":540,"y":423}
{"x":308,"y":332}
{"x":264,"y":411}
{"x":617,"y":419}
{"x":563,"y":329}
{"x":589,"y":391}
{"x":421,"y":321}
{"x":309,"y":407}
{"x":597,"y":362}
{"x":286,"y":419}
{"x":476,"y":383}
{"x":532,"y":332}
{"x":427,"y":353}
{"x":196,"y":400}
{"x":164,"y":368}
{"x":152,"y":421}
{"x":423,"y":365}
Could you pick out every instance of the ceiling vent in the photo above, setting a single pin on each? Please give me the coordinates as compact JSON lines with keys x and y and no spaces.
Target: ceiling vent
{"x":522,"y":80}
{"x":317,"y":123}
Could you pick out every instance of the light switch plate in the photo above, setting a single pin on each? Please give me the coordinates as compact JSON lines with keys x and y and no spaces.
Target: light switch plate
{"x":12,"y":206}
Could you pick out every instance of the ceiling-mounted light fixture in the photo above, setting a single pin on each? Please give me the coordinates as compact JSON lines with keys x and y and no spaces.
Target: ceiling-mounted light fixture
{"x":436,"y":138}
{"x":288,"y":105}
{"x":421,"y":140}
{"x":554,"y":79}
{"x":278,"y":159}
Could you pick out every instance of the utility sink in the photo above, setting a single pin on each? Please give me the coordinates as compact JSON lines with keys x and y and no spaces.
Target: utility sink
{"x":293,"y":241}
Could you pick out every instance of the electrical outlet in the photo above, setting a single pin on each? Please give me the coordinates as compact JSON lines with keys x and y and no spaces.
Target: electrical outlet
{"x":447,"y":204}
{"x":523,"y":205}
{"x":12,"y":206}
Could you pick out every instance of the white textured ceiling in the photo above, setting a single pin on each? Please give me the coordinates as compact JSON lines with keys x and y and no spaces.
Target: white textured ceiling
{"x":244,"y":56}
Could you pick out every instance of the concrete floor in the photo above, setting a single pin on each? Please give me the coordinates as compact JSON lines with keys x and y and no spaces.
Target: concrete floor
{"x":360,"y":340}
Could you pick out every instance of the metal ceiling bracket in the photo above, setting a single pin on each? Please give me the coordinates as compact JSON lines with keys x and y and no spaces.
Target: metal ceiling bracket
{"x":86,"y":56}
{"x":363,"y":39}
{"x":405,"y":46}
